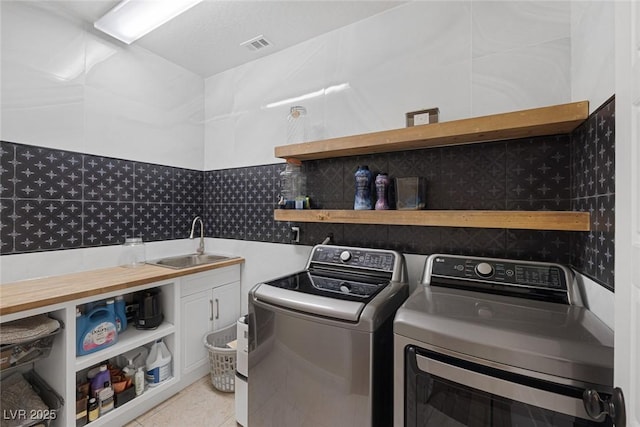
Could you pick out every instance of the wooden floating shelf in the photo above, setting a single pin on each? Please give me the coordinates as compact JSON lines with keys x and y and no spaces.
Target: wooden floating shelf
{"x":553,"y":120}
{"x":531,"y":220}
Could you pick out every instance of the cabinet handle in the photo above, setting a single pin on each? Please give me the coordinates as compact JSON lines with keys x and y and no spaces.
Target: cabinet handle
{"x":211,"y":311}
{"x":217,"y":309}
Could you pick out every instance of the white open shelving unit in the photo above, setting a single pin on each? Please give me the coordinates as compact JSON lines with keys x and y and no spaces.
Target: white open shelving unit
{"x":62,"y":369}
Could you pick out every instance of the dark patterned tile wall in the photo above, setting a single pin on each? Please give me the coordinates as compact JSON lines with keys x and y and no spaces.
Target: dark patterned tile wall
{"x":527,"y":174}
{"x":54,"y":199}
{"x":593,"y":190}
{"x":239,"y":204}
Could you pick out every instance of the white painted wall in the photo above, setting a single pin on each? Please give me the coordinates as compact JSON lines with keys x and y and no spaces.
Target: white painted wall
{"x":64,"y":87}
{"x":467,"y":58}
{"x":592,"y":52}
{"x":53,"y":263}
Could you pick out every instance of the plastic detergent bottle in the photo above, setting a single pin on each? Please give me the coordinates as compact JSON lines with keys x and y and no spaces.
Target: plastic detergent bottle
{"x":98,"y":329}
{"x":139,"y":381}
{"x":158,"y":364}
{"x":121,"y":316}
{"x":363,"y":199}
{"x":100,"y":381}
{"x":81,"y":325}
{"x":105,"y":399}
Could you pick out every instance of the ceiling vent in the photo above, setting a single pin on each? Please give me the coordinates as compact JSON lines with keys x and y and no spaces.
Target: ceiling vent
{"x":256,"y":43}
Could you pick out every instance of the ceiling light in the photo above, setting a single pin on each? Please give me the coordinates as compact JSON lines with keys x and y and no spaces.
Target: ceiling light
{"x":132,"y":19}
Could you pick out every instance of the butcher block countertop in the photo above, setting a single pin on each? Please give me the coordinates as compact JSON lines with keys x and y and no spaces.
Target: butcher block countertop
{"x":36,"y":293}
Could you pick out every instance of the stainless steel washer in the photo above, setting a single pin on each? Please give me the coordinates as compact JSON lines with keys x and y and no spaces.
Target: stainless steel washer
{"x":494,"y":342}
{"x":321,"y":341}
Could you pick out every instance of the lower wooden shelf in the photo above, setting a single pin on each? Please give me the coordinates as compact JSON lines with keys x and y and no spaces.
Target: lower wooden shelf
{"x":127,"y":340}
{"x":529,"y":220}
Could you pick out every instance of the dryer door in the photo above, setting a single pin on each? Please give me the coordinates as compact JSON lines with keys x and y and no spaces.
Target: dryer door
{"x":443,"y":391}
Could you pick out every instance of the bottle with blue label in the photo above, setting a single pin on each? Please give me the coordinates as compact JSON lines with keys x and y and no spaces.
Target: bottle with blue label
{"x":158,"y":364}
{"x":96,"y":329}
{"x":363,"y":199}
{"x":81,"y":327}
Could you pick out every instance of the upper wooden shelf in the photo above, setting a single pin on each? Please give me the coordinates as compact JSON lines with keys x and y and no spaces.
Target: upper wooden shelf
{"x":531,"y":220}
{"x":553,"y":120}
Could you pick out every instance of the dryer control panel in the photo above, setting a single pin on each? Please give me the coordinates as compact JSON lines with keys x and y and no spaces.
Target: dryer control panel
{"x":528,"y":279}
{"x":350,"y":257}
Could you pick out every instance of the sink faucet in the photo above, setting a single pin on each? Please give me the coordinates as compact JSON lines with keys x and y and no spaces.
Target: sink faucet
{"x":200,"y":249}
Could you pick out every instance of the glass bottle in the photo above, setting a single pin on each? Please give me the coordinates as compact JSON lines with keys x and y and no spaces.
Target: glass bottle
{"x":93,"y":409}
{"x":293,"y":185}
{"x":363,"y":178}
{"x":133,"y":252}
{"x":382,"y":186}
{"x":297,"y":125}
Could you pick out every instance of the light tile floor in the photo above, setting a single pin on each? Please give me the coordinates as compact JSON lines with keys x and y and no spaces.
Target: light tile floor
{"x":200,"y":404}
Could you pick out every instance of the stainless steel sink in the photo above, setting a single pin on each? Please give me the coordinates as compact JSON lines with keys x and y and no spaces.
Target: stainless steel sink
{"x":191,"y":260}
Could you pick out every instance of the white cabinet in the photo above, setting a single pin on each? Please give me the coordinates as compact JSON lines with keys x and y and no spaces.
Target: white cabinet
{"x":192,"y":305}
{"x":209,"y":301}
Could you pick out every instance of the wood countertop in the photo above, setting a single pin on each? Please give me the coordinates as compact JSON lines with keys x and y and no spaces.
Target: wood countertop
{"x":41,"y":292}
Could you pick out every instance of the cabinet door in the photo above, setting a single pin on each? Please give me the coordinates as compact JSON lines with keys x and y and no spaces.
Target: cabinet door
{"x":196,"y":313}
{"x":226,"y":305}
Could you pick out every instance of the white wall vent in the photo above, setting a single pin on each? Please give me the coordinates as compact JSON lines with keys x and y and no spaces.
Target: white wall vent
{"x":256,"y":43}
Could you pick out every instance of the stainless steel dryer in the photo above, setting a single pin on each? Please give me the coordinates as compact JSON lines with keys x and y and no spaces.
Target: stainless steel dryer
{"x":321,"y":341}
{"x":494,"y":342}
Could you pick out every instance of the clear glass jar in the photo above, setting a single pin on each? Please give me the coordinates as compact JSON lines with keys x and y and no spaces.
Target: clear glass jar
{"x":293,"y":185}
{"x":133,"y":252}
{"x":297,"y":125}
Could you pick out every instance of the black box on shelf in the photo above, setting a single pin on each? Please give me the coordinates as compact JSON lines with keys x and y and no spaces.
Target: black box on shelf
{"x":126,"y":395}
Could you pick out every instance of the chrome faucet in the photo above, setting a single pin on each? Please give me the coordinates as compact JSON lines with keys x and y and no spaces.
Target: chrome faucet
{"x":200,"y":249}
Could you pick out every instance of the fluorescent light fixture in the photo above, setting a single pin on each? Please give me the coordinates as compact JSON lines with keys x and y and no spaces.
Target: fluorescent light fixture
{"x":324,"y":91}
{"x":132,"y":19}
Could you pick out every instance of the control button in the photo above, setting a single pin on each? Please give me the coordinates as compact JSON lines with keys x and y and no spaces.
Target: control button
{"x":345,"y":256}
{"x":459,"y":267}
{"x":509,"y":273}
{"x":484,"y":269}
{"x":345,"y":288}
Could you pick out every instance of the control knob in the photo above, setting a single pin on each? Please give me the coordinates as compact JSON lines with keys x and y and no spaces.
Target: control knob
{"x":345,"y":256}
{"x":484,"y":269}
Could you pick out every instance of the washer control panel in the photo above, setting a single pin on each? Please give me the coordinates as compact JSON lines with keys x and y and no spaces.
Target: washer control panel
{"x":354,"y":257}
{"x":499,"y":271}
